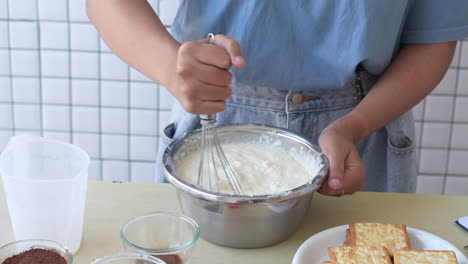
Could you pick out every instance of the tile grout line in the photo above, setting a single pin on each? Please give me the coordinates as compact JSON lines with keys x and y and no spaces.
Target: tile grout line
{"x":158,"y":116}
{"x":39,"y":62}
{"x":10,"y":75}
{"x":421,"y":134}
{"x":83,"y":132}
{"x":454,"y":105}
{"x":70,"y":89}
{"x":101,"y":161}
{"x":94,"y":106}
{"x":129,"y":165}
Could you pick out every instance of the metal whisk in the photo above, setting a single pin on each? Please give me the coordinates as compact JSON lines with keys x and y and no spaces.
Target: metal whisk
{"x":214,"y":166}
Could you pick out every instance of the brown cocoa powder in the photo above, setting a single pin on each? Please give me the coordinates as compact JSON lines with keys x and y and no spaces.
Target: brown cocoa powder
{"x":36,"y":256}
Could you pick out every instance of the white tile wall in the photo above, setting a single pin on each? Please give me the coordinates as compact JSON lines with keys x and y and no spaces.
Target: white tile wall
{"x":457,"y":185}
{"x":114,"y":120}
{"x":23,"y":9}
{"x":435,"y":135}
{"x":142,"y":172}
{"x":83,"y":37}
{"x":25,"y":62}
{"x":461,"y":109}
{"x":85,"y":119}
{"x":55,"y":91}
{"x":433,"y":161}
{"x":5,"y":62}
{"x":448,"y":84}
{"x":85,"y":92}
{"x":58,"y":12}
{"x":3,"y":34}
{"x":94,"y":172}
{"x":62,"y":136}
{"x":143,"y":95}
{"x":115,"y":147}
{"x":27,"y":116}
{"x":77,"y":10}
{"x":56,"y":117}
{"x":26,"y":90}
{"x":464,"y":55}
{"x":24,"y":34}
{"x":143,"y":148}
{"x":113,"y":68}
{"x":54,"y":35}
{"x":3,"y":9}
{"x":115,"y":170}
{"x":138,"y":76}
{"x":114,"y":93}
{"x":5,"y":89}
{"x":463,"y":82}
{"x":85,"y":64}
{"x":55,"y":63}
{"x":59,"y":79}
{"x":430,"y":184}
{"x":6,"y":115}
{"x":89,"y":142}
{"x":458,"y":162}
{"x":143,"y":122}
{"x":459,"y":136}
{"x":438,"y":108}
{"x":5,"y":135}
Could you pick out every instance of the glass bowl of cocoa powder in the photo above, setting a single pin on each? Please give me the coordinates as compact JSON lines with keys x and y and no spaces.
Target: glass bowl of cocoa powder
{"x":35,"y":251}
{"x":168,"y":236}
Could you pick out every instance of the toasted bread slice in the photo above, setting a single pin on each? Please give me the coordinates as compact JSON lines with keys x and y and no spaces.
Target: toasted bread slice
{"x":424,"y":256}
{"x":326,"y":262}
{"x":361,"y":255}
{"x":349,"y":239}
{"x":391,"y":236}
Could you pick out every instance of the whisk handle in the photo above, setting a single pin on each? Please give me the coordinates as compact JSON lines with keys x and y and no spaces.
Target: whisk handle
{"x":207,"y":119}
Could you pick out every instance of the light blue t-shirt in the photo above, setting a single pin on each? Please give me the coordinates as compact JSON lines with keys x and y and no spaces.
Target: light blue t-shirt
{"x":317,"y":44}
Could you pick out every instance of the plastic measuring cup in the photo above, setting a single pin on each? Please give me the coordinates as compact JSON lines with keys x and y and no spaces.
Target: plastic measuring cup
{"x":45,"y":184}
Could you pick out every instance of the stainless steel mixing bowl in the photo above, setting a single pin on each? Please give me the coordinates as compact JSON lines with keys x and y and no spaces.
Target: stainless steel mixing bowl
{"x":241,"y":221}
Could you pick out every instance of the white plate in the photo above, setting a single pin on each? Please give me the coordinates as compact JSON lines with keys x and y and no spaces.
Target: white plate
{"x":314,"y":249}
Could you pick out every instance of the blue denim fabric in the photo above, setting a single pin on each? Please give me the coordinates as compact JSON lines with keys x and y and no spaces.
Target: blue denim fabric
{"x":388,"y":154}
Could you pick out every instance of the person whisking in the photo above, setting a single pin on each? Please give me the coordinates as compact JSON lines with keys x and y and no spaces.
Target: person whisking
{"x":344,"y":73}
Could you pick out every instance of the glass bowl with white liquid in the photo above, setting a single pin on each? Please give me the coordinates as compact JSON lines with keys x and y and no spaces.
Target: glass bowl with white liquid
{"x":279,"y":171}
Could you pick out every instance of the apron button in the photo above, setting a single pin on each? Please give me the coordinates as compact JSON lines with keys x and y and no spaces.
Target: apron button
{"x":297,"y":99}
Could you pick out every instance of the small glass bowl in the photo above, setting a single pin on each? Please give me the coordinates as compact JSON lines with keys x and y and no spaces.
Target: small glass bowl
{"x":127,"y":258}
{"x":168,"y":236}
{"x":20,"y":246}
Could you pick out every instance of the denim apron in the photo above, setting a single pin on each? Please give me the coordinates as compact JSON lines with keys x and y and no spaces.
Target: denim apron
{"x":388,"y":154}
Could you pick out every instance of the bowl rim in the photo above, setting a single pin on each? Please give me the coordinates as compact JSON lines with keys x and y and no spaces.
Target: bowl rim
{"x":182,"y":185}
{"x":128,"y":255}
{"x":42,"y":244}
{"x":188,"y":220}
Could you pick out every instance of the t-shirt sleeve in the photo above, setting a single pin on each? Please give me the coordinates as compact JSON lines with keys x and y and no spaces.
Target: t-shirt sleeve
{"x":434,"y":21}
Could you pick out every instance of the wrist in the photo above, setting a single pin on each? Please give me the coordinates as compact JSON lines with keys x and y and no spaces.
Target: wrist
{"x":168,"y":75}
{"x":352,"y":126}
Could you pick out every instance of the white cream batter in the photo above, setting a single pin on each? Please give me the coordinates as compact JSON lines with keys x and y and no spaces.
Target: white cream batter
{"x":262,"y":169}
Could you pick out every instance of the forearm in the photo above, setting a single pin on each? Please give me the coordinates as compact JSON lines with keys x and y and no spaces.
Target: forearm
{"x":133,"y":32}
{"x":414,"y":73}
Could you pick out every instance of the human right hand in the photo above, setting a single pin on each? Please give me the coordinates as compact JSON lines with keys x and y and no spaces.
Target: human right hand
{"x":201,"y":77}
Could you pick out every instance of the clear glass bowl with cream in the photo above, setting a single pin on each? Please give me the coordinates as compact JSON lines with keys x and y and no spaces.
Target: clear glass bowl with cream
{"x":278,"y":169}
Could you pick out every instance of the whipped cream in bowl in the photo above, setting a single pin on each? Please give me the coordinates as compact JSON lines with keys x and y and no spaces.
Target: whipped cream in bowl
{"x":279,"y":170}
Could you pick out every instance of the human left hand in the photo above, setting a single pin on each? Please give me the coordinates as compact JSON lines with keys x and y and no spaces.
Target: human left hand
{"x":347,"y":172}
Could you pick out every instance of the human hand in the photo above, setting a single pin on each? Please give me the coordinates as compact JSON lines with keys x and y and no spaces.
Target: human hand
{"x":201,"y":78}
{"x":347,"y":173}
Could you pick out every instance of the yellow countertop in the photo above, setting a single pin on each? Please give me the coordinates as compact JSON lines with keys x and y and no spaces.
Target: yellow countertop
{"x":109,"y":205}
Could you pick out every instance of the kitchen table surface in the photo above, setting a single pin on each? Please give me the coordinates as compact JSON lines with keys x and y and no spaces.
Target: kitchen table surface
{"x":109,"y":205}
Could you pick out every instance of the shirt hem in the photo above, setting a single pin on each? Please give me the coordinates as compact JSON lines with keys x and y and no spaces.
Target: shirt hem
{"x":435,"y":36}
